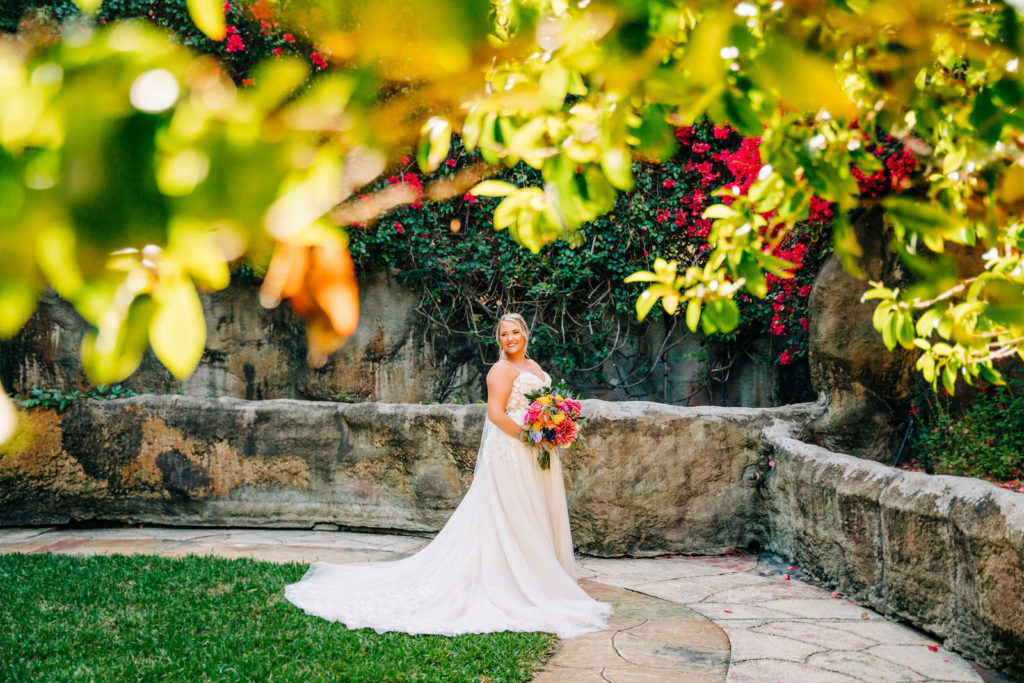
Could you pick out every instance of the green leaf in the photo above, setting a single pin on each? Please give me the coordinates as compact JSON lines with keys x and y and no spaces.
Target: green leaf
{"x":17,"y":301}
{"x":494,"y":188}
{"x":435,"y":143}
{"x":693,"y":314}
{"x":121,"y":351}
{"x":644,"y":303}
{"x":719,"y":211}
{"x":177,"y":330}
{"x":617,"y":166}
{"x":208,"y":16}
{"x":554,"y":84}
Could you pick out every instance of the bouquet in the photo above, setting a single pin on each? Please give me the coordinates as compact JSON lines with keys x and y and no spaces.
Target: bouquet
{"x":551,"y":421}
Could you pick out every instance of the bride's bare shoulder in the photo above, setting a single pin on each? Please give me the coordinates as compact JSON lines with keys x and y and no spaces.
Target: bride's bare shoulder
{"x":502,"y":371}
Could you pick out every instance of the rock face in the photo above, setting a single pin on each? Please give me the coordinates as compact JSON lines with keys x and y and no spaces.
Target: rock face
{"x":394,"y":356}
{"x":654,"y":479}
{"x":944,"y":553}
{"x":866,"y":385}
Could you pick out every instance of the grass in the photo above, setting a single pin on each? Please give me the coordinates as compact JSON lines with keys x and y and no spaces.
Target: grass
{"x":201,"y":618}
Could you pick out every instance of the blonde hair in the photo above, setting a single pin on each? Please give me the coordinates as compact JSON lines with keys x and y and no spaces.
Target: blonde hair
{"x":519,"y":321}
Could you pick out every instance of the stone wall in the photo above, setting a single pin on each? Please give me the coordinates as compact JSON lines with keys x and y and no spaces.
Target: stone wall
{"x":394,"y":356}
{"x":943,"y":553}
{"x":654,"y":479}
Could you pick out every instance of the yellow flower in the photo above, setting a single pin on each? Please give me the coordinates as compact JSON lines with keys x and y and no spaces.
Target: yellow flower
{"x":558,"y":418}
{"x":544,"y":400}
{"x":536,"y":425}
{"x":558,"y":398}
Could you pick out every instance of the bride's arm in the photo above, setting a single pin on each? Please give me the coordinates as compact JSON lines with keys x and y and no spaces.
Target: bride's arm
{"x":499,"y":386}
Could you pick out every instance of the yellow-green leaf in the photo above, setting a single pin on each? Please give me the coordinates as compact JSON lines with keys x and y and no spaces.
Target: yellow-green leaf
{"x":177,"y":331}
{"x":208,"y":16}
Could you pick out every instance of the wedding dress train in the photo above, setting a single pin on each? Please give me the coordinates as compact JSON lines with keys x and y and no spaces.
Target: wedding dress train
{"x":503,"y":562}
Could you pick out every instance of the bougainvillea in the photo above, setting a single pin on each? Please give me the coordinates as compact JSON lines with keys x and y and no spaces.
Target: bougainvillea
{"x":466,"y":271}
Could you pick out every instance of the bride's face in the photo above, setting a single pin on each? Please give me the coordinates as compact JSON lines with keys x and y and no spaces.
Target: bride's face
{"x":511,"y":338}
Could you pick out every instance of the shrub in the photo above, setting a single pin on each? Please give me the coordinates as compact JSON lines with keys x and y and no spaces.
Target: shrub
{"x":983,"y":437}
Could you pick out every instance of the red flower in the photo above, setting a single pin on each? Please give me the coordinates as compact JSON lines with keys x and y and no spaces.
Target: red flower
{"x":450,"y":162}
{"x":669,"y":184}
{"x":227,"y":6}
{"x":247,"y":82}
{"x":235,"y":43}
{"x":318,"y":60}
{"x":398,"y":227}
{"x":784,"y":358}
{"x":662,"y":216}
{"x":289,"y":37}
{"x":701,"y":147}
{"x":277,"y":52}
{"x":469,"y":198}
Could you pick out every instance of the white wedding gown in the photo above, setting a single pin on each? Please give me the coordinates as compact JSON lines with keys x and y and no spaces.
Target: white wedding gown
{"x":503,"y":562}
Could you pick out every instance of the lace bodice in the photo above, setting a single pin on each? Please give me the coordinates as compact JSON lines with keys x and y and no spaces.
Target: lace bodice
{"x":525,"y":382}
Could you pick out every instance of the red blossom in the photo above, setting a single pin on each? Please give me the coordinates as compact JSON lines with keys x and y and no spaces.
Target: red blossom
{"x":469,"y":198}
{"x":277,"y":52}
{"x":318,"y":60}
{"x":398,"y":227}
{"x":289,"y":37}
{"x":235,"y":43}
{"x":669,"y":184}
{"x":785,"y":359}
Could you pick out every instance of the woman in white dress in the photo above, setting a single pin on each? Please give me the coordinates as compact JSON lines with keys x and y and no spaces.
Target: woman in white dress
{"x":503,"y":562}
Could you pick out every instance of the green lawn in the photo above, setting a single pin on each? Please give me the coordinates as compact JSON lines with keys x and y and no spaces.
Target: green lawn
{"x":201,"y":618}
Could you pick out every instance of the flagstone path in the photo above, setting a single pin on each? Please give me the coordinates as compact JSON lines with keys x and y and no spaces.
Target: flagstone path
{"x":733,"y":618}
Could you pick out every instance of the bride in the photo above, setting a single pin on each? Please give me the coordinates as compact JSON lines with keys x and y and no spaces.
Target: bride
{"x":504,"y":560}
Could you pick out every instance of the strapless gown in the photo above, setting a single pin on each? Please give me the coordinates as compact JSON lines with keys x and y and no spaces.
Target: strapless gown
{"x":503,"y":562}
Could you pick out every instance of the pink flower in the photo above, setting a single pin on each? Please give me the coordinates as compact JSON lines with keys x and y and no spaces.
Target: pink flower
{"x":289,"y":37}
{"x":235,"y":43}
{"x":469,"y":198}
{"x":536,"y":406}
{"x":669,"y":184}
{"x":784,"y":358}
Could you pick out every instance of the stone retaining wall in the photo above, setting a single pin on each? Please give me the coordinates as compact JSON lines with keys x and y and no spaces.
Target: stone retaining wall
{"x":943,"y":553}
{"x":654,"y":479}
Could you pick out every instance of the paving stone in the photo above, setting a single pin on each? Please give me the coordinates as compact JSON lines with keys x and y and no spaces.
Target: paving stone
{"x":688,"y":591}
{"x":15,"y":534}
{"x":769,"y":670}
{"x":771,"y":589}
{"x":822,"y":609}
{"x":817,"y":634}
{"x":640,"y":674}
{"x":927,"y":663}
{"x":885,"y":632}
{"x":664,"y":642}
{"x":557,"y":674}
{"x":593,"y":651}
{"x":864,"y":666}
{"x":717,"y":611}
{"x":746,"y":644}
